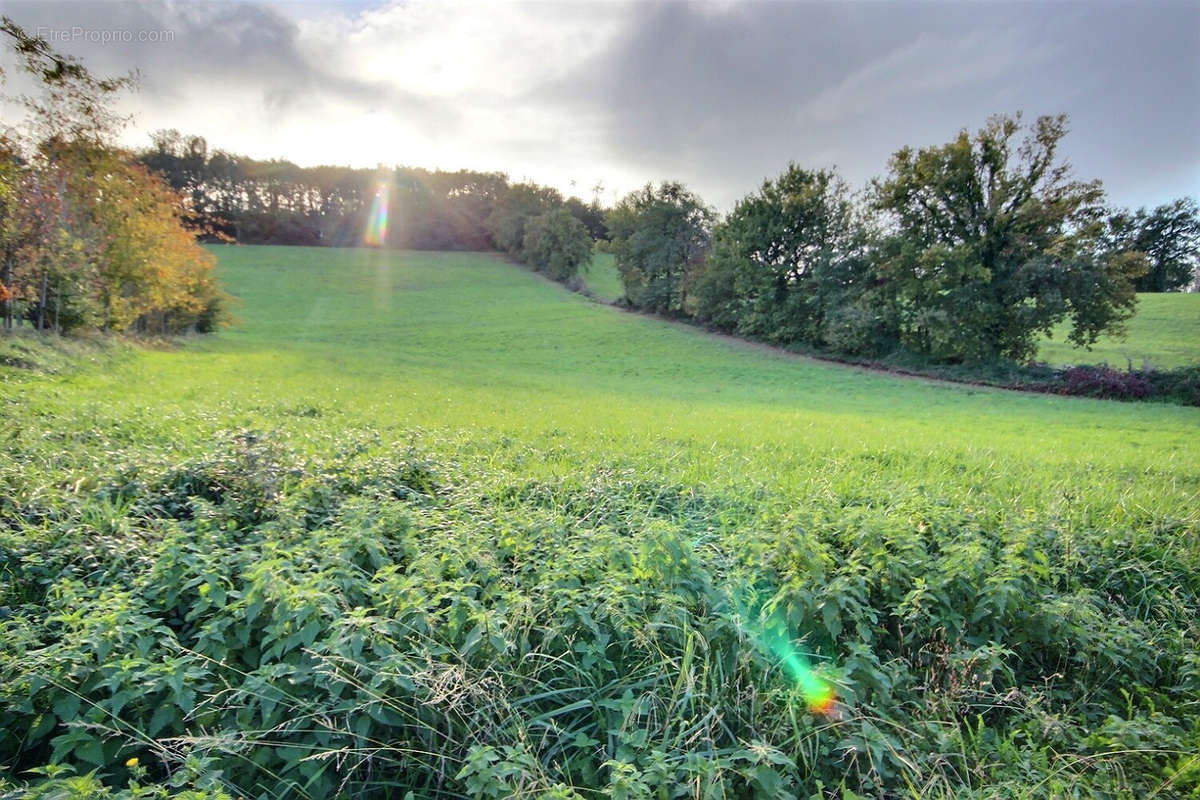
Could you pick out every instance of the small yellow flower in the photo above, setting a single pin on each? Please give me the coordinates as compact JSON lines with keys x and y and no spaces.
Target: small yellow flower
{"x":133,"y":762}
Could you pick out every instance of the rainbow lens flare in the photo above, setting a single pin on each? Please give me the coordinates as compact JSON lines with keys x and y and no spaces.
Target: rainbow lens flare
{"x":817,"y":692}
{"x":377,"y":222}
{"x":771,"y":635}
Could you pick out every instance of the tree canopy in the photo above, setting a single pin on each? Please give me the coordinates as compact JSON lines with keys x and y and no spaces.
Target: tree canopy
{"x":557,"y":243}
{"x":1169,"y":237}
{"x":658,"y":236}
{"x":782,"y":257}
{"x":992,"y":242}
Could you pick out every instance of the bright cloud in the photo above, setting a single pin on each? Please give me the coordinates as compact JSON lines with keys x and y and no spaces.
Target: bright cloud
{"x":718,"y":94}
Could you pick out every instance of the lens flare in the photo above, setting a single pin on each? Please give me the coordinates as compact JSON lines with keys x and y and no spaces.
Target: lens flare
{"x":377,"y":222}
{"x":772,"y":637}
{"x":817,"y":692}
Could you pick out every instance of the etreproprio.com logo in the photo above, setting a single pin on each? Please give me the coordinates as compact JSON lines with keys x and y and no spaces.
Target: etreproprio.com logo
{"x":78,"y":33}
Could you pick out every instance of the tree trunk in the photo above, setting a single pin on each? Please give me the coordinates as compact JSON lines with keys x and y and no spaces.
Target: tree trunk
{"x":8,"y":304}
{"x":41,"y":319}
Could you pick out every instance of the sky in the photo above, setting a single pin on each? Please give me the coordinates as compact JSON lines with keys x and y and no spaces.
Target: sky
{"x":718,"y":95}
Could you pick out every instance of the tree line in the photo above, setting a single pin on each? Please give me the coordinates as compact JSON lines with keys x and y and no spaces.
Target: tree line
{"x":90,"y":237}
{"x":971,"y":250}
{"x":228,"y":197}
{"x":967,"y":251}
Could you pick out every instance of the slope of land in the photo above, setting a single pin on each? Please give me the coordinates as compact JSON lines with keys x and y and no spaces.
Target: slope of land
{"x":602,"y":278}
{"x":425,"y":522}
{"x":1165,"y":333}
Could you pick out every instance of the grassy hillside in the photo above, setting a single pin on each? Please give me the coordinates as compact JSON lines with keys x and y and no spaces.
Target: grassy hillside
{"x":602,"y":278}
{"x":1165,"y":333}
{"x":425,"y":522}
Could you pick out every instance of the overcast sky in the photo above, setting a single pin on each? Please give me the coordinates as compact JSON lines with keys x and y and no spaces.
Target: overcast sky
{"x":718,"y":95}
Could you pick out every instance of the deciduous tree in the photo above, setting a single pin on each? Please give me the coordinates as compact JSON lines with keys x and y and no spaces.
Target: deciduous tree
{"x":783,"y":259}
{"x":992,"y":243}
{"x":1169,"y":237}
{"x":558,"y":244}
{"x":659,"y":236}
{"x":88,"y":236}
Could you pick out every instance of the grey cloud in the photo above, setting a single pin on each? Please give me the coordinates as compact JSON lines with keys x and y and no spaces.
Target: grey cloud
{"x":724,"y":98}
{"x":219,"y":47}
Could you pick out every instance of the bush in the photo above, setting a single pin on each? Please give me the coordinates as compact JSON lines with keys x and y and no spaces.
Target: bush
{"x":1175,"y":386}
{"x":1179,"y":385}
{"x":371,"y":622}
{"x":557,"y":244}
{"x":859,"y":329}
{"x":1104,"y":381}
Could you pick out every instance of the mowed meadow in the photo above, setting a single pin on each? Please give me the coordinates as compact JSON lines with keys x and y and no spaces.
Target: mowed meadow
{"x":1164,"y":333}
{"x":428,"y":525}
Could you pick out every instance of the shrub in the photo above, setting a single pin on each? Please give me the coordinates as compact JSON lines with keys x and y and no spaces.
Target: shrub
{"x":1103,"y":381}
{"x":1180,"y":385}
{"x":359,"y":623}
{"x":557,"y":244}
{"x":859,"y":329}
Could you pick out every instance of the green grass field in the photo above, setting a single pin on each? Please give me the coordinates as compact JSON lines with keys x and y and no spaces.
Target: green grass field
{"x":425,"y":522}
{"x":1165,"y":333}
{"x":602,"y":278}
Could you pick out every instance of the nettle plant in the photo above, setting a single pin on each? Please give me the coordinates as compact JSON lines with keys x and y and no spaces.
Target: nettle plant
{"x":382,"y":622}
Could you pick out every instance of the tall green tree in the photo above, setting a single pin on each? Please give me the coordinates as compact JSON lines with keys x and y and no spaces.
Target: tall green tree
{"x":659,"y":235}
{"x":590,"y":214}
{"x":1169,"y":236}
{"x":993,"y":242}
{"x":783,"y":259}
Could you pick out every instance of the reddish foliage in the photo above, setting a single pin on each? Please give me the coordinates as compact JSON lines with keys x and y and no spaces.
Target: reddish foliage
{"x":1102,"y":381}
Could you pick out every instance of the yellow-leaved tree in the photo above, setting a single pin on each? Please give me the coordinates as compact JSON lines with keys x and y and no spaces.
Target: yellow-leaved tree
{"x":88,"y":236}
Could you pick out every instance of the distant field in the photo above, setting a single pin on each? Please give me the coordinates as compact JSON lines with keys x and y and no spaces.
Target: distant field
{"x":603,"y":279}
{"x":1165,"y":333}
{"x":427,"y":523}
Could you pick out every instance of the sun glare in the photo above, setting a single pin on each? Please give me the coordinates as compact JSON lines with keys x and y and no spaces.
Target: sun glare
{"x":377,"y":221}
{"x":818,"y":693}
{"x":771,"y":635}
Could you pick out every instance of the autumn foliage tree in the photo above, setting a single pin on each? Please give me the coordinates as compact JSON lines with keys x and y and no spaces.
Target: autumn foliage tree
{"x":153,"y":276}
{"x":90,"y":238}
